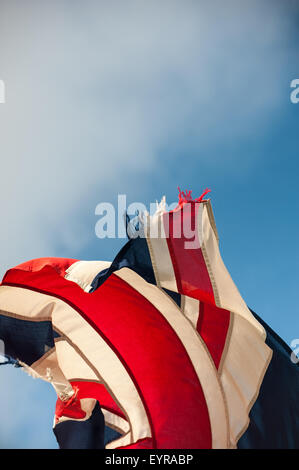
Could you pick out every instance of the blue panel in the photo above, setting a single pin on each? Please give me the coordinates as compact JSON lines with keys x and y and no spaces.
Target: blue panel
{"x":111,"y":435}
{"x":87,"y":434}
{"x":133,"y":255}
{"x":26,"y":340}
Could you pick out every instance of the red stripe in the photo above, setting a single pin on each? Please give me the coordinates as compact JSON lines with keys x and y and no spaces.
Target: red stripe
{"x":99,"y":392}
{"x":193,"y":279}
{"x":212,"y":325}
{"x":149,"y":349}
{"x":59,"y":264}
{"x":190,"y":269}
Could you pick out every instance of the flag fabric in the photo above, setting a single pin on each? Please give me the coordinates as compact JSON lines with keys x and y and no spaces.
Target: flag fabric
{"x":156,"y":350}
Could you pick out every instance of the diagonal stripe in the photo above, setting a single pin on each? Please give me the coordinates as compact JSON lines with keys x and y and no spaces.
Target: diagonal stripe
{"x":213,"y":324}
{"x":189,"y":265}
{"x":61,"y":265}
{"x":190,"y":308}
{"x":99,"y":391}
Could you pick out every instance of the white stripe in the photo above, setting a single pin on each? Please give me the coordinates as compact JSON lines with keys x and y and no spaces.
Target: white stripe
{"x":159,"y":253}
{"x":15,"y":303}
{"x":47,"y":368}
{"x":84,"y":272}
{"x":242,"y":372}
{"x":72,"y":363}
{"x":190,"y":308}
{"x":114,"y":420}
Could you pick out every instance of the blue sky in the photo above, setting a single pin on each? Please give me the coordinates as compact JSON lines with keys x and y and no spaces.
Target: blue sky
{"x":138,"y":97}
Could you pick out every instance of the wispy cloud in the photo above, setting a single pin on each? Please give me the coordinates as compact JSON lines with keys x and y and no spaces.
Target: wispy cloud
{"x":98,"y":88}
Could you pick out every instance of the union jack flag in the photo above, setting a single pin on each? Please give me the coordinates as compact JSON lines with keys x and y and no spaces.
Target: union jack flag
{"x":156,"y":349}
